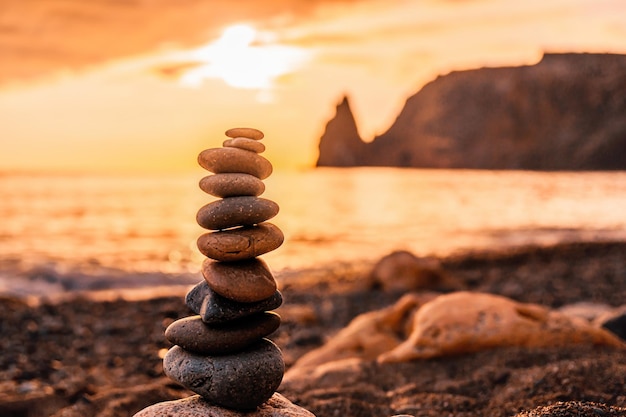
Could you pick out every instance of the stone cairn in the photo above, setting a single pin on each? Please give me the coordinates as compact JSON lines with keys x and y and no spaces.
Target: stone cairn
{"x":222,"y":353}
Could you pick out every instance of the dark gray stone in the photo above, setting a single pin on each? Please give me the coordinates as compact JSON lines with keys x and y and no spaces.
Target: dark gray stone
{"x":194,"y":335}
{"x":617,"y":325}
{"x":241,"y":381}
{"x":213,"y":308}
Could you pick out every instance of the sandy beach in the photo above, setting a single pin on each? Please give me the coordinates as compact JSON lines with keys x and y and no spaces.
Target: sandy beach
{"x":101,"y":358}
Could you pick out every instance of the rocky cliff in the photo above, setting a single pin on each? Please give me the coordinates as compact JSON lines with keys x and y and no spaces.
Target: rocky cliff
{"x":568,"y":112}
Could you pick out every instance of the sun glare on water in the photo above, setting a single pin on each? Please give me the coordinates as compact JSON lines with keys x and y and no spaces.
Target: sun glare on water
{"x":243,"y":58}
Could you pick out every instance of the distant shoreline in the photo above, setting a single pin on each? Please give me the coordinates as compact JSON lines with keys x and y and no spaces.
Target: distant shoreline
{"x":344,"y":274}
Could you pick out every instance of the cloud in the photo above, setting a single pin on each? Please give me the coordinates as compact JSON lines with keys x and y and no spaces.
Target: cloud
{"x":37,"y":38}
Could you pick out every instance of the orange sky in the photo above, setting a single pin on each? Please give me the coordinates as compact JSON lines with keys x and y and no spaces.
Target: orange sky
{"x":110,"y":86}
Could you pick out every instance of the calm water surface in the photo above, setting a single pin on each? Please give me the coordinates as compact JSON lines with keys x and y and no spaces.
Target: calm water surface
{"x":74,"y":232}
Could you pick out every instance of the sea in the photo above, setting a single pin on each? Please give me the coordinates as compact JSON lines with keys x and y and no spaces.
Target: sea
{"x":70,"y":233}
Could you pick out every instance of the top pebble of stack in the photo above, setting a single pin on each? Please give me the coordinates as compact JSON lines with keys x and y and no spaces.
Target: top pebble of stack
{"x":245,"y":132}
{"x":240,"y":154}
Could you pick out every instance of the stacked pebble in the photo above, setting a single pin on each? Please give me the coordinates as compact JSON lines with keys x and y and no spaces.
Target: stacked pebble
{"x":222,"y":353}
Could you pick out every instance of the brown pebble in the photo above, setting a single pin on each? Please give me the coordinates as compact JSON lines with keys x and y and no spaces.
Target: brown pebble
{"x":213,"y":308}
{"x":193,"y":335}
{"x":246,"y":281}
{"x":224,"y":160}
{"x":232,"y":185}
{"x":244,"y":143}
{"x":241,"y":243}
{"x":242,"y":381}
{"x":245,"y":132}
{"x":236,"y":211}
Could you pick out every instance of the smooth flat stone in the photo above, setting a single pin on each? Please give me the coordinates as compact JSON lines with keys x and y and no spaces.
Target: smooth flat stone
{"x":245,"y":132}
{"x":196,"y":406}
{"x":193,"y":335}
{"x":241,"y":243}
{"x":213,"y":308}
{"x":245,"y":143}
{"x":236,"y":211}
{"x":241,"y":381}
{"x":246,"y":281}
{"x":224,"y":160}
{"x":232,"y":185}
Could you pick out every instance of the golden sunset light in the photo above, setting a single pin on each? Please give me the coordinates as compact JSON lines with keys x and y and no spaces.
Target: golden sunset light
{"x":312,"y":208}
{"x":234,"y":59}
{"x":144,"y":98}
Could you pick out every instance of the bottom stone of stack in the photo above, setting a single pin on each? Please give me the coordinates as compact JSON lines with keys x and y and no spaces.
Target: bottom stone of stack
{"x":240,"y":381}
{"x":196,"y":406}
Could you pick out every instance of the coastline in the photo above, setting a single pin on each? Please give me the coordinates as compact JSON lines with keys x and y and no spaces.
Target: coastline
{"x":91,"y":354}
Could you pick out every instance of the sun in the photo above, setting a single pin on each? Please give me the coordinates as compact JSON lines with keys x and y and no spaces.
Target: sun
{"x":243,"y":59}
